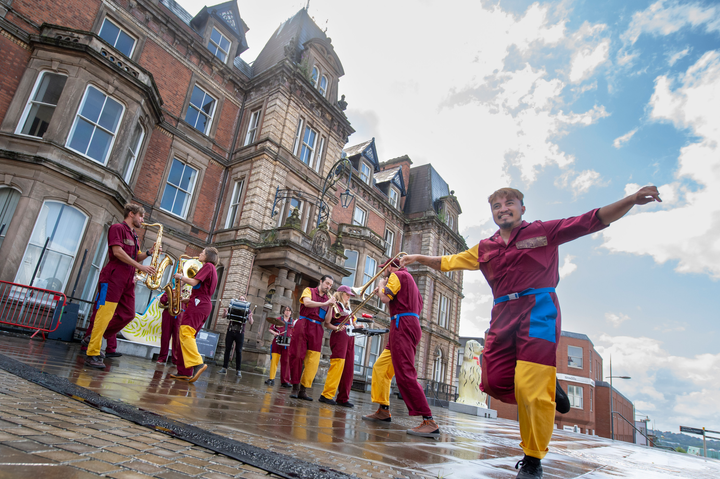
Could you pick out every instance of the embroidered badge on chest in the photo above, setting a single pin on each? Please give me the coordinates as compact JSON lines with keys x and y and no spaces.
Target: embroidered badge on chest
{"x":197,"y":301}
{"x":129,"y":242}
{"x":536,"y":242}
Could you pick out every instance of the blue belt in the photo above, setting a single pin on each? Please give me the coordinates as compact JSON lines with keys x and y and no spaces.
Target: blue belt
{"x":311,"y":320}
{"x":398,"y":316}
{"x":527,"y":292}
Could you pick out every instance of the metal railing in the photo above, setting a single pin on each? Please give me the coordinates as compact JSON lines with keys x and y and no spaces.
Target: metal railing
{"x":441,"y":393}
{"x":650,"y":441}
{"x":28,"y":307}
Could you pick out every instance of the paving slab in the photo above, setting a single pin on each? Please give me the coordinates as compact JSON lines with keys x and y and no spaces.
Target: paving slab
{"x":250,"y":413}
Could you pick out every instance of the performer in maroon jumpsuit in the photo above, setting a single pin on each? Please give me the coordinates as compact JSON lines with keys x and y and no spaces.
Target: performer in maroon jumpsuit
{"x":307,"y":337}
{"x":189,"y":362}
{"x":168,"y":328}
{"x":115,"y":299}
{"x":281,"y":354}
{"x":520,"y":263}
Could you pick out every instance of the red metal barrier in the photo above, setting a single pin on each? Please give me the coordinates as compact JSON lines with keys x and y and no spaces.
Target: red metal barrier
{"x":32,"y":308}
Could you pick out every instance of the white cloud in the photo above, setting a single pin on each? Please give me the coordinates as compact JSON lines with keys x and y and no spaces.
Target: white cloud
{"x":587,"y":60}
{"x":621,"y":140}
{"x":568,"y":267}
{"x":691,"y":222}
{"x":674,"y":389}
{"x":616,"y":319}
{"x":673,"y":58}
{"x":581,"y":182}
{"x":665,"y":18}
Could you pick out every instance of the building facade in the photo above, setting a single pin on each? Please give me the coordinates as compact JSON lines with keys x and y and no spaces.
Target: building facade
{"x":109,"y":101}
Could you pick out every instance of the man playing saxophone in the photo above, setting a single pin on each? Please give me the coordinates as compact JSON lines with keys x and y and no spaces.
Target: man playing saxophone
{"x":116,"y":287}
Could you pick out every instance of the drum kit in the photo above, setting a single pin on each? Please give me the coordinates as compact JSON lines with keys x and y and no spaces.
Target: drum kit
{"x":238,"y":311}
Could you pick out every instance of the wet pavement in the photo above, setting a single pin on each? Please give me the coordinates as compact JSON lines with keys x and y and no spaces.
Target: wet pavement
{"x":246,"y":410}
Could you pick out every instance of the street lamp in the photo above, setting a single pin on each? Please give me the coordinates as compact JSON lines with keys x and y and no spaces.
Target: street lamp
{"x":612,"y":411}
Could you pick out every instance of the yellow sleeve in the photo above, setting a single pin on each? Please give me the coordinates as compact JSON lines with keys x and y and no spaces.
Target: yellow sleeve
{"x":392,"y":287}
{"x":468,"y":259}
{"x":306,"y":294}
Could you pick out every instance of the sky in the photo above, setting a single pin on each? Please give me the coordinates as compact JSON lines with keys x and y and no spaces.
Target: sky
{"x":577,"y":104}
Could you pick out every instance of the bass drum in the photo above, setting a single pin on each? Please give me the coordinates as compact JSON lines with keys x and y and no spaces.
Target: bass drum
{"x":238,"y":311}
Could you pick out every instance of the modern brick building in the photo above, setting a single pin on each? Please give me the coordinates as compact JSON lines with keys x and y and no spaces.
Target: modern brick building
{"x":109,"y":101}
{"x":580,"y":372}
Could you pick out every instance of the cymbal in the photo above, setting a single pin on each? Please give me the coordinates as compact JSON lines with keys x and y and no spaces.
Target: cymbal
{"x":275,"y":321}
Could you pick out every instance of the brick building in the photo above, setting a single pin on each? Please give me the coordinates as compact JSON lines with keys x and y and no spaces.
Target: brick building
{"x":108,"y":101}
{"x":580,"y":372}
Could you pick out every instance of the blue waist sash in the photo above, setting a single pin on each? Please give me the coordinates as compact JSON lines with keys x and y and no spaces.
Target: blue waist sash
{"x":311,"y":320}
{"x":397,"y":317}
{"x":527,"y":292}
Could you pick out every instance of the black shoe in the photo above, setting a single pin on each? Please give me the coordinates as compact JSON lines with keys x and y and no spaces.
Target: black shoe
{"x":286,"y":385}
{"x":345,"y":404}
{"x":94,"y":362}
{"x":530,"y":468}
{"x":562,"y":402}
{"x":113,"y":355}
{"x":270,"y":382}
{"x":295,"y":391}
{"x":325,"y":400}
{"x":302,"y":394}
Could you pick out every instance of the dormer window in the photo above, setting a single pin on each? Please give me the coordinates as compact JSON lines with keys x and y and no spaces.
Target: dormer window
{"x":319,"y":82}
{"x":323,"y":85}
{"x":393,"y":197}
{"x":365,"y":172}
{"x":117,"y":37}
{"x":219,"y":45}
{"x":315,"y":75}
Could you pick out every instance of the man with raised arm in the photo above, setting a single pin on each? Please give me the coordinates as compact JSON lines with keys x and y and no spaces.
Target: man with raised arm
{"x":520,"y":263}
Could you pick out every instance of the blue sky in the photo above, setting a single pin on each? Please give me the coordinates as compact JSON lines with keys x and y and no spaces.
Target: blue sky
{"x":576,"y":103}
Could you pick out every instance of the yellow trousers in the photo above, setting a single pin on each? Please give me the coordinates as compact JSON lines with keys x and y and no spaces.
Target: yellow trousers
{"x":312,"y":361}
{"x":333,"y":377}
{"x":535,"y":396}
{"x":102,"y":318}
{"x":382,"y":375}
{"x":274,"y":364}
{"x":191,"y":356}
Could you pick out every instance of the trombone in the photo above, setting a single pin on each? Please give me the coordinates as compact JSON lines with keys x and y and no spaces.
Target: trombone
{"x":360,"y":292}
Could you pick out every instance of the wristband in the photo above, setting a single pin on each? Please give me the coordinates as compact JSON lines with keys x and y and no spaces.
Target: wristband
{"x":148,"y":253}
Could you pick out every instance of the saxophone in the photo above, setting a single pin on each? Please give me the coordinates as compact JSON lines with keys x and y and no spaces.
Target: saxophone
{"x":189,"y":266}
{"x":153,"y":281}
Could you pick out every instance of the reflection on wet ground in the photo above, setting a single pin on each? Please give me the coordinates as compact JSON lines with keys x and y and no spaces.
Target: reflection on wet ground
{"x":247,"y":410}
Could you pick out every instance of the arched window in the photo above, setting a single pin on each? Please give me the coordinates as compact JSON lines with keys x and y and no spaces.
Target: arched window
{"x":323,"y":85}
{"x":62,"y":226}
{"x":439,"y":367}
{"x":145,"y":295}
{"x":314,"y":76}
{"x":9,"y":198}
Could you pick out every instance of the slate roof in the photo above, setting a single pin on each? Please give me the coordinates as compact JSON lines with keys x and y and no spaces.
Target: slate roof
{"x":367,"y":150}
{"x":386,"y":175}
{"x":228,"y":14}
{"x":357,"y":149}
{"x":568,"y":334}
{"x":300,"y":26}
{"x":424,"y":179}
{"x":178,"y":10}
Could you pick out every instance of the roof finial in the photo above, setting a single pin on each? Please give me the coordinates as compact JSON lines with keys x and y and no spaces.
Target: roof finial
{"x":307,"y":7}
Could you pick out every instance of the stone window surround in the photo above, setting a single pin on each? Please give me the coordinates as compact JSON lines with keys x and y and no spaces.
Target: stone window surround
{"x":302,"y":124}
{"x":219,"y":97}
{"x":247,"y":116}
{"x":79,"y":76}
{"x":233,"y":180}
{"x":220,"y":27}
{"x":117,"y":16}
{"x":193,"y":159}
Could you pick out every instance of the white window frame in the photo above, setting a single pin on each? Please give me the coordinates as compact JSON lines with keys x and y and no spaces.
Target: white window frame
{"x":389,"y":243}
{"x":298,"y":137}
{"x":308,"y":147}
{"x":288,"y":207}
{"x":95,"y":125}
{"x":575,"y":394}
{"x":218,"y":47}
{"x":374,"y":352}
{"x":134,"y":38}
{"x":359,"y":353}
{"x":365,"y":176}
{"x":367,"y":276}
{"x":318,"y":156}
{"x":200,"y":111}
{"x":443,"y":311}
{"x":251,"y":134}
{"x":438,"y":367}
{"x":91,"y":281}
{"x":49,"y":248}
{"x":322,"y":85}
{"x":571,"y":356}
{"x":189,"y":192}
{"x":393,"y":197}
{"x":234,"y":203}
{"x":134,"y":153}
{"x":315,"y":76}
{"x":10,"y":203}
{"x":31,"y":102}
{"x":350,"y":280}
{"x":364,"y":216}
{"x":449,"y":274}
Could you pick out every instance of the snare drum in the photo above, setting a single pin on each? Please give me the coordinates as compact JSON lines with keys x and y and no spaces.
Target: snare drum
{"x":238,"y":311}
{"x":282,"y":340}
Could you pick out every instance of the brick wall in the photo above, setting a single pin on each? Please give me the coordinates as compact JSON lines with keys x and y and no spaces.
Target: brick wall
{"x":77,"y":14}
{"x":209,"y":196}
{"x":228,"y":118}
{"x":171,"y":76}
{"x":376,"y":223}
{"x":15,"y":60}
{"x":147,"y":186}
